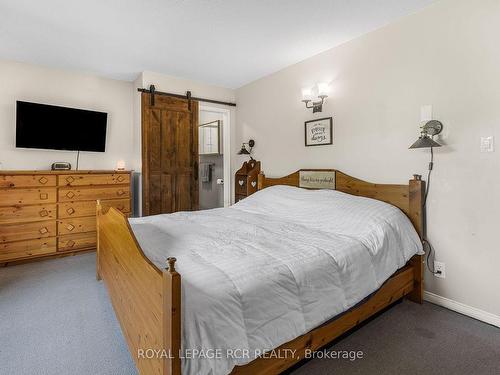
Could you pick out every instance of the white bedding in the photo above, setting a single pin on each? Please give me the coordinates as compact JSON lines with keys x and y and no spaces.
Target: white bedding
{"x":274,"y":266}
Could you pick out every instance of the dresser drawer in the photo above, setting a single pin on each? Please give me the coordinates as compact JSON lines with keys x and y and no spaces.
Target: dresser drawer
{"x":87,"y":208}
{"x":12,"y":197}
{"x":76,"y":225}
{"x":19,"y":214}
{"x":26,"y":249}
{"x":93,"y":193}
{"x":25,"y":231}
{"x":11,"y":181}
{"x":94,"y":179}
{"x":79,"y":241}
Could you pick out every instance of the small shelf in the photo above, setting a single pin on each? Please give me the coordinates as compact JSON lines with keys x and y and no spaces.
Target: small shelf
{"x":245,"y":179}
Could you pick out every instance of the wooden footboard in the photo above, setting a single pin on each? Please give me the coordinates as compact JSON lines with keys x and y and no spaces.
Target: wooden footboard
{"x":146,"y":300}
{"x":398,"y":286}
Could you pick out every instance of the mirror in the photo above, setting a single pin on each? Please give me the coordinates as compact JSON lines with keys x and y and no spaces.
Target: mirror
{"x":209,"y":138}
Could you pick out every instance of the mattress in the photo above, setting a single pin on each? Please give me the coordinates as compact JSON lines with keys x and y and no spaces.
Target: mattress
{"x":273,"y":267}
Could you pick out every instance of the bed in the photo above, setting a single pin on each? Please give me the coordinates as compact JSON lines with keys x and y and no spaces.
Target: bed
{"x":286,"y":270}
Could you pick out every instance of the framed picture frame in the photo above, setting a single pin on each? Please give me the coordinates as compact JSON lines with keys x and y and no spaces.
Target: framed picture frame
{"x":318,"y":132}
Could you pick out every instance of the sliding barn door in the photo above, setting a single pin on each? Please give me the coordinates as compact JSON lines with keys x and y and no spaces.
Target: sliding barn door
{"x":169,"y":154}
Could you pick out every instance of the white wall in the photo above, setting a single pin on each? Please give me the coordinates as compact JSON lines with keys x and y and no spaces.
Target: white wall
{"x":446,"y":55}
{"x":50,"y":86}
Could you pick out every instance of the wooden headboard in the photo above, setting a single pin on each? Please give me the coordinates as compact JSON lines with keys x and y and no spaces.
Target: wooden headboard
{"x":409,"y":198}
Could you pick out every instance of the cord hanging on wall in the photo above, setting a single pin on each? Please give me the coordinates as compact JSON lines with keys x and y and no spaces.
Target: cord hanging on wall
{"x":429,"y":130}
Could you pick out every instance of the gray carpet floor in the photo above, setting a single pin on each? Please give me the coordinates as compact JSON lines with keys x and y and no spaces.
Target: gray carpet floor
{"x":56,"y":319}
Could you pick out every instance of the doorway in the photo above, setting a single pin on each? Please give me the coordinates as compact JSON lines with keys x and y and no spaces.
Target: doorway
{"x":214,"y":157}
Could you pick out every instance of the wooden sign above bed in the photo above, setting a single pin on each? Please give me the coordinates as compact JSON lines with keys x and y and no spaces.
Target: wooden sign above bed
{"x":317,"y":179}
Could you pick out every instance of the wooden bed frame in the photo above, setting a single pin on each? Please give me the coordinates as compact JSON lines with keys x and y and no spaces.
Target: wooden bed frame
{"x":147,"y":300}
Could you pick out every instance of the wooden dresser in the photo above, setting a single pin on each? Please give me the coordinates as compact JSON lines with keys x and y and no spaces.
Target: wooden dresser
{"x":245,"y":179}
{"x":50,"y":213}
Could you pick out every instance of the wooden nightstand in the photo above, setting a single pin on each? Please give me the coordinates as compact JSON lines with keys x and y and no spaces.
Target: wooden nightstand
{"x":245,"y":179}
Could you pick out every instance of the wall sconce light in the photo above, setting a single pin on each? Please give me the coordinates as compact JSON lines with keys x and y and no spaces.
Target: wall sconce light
{"x":316,"y":105}
{"x":429,"y":130}
{"x":244,"y":150}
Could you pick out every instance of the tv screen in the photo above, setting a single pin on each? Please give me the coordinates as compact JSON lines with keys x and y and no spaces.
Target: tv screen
{"x":59,"y":128}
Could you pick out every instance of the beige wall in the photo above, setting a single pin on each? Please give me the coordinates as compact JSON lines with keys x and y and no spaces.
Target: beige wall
{"x":58,"y":87}
{"x":446,"y":55}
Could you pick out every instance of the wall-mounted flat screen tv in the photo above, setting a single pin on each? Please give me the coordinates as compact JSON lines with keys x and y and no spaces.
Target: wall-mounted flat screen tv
{"x":59,"y":128}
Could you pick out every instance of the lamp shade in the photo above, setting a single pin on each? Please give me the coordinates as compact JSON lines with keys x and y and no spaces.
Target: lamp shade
{"x":424,"y":141}
{"x":306,"y":94}
{"x":323,"y":89}
{"x":243,"y":150}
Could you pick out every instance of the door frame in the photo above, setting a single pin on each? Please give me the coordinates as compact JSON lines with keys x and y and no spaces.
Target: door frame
{"x":226,"y":146}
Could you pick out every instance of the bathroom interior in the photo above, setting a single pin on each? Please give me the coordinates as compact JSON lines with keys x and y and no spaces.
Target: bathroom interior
{"x":211,"y":170}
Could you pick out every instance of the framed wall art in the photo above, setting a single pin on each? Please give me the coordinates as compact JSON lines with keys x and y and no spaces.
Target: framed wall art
{"x":319,"y":132}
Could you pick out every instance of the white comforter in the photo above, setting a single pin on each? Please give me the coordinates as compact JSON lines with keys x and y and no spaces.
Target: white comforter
{"x":274,"y":266}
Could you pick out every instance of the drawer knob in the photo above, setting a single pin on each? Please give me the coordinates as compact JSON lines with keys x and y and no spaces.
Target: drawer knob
{"x":241,"y":182}
{"x":120,"y":178}
{"x":70,"y":243}
{"x":253,"y":183}
{"x":70,"y":227}
{"x":43,"y":196}
{"x":43,"y":230}
{"x":69,"y":179}
{"x":120,"y":192}
{"x":43,"y":213}
{"x":70,"y":194}
{"x":70,"y":211}
{"x":43,"y":180}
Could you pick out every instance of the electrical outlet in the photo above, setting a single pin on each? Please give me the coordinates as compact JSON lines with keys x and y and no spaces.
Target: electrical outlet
{"x":439,"y":270}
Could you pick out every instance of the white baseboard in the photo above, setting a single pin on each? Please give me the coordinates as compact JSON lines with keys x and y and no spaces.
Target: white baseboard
{"x":463,"y":309}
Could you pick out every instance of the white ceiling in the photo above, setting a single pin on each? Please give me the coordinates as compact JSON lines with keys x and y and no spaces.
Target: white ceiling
{"x":223,"y":42}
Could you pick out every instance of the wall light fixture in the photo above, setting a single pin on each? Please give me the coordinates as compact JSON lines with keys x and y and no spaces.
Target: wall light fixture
{"x":316,"y":103}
